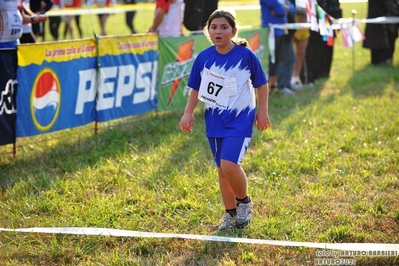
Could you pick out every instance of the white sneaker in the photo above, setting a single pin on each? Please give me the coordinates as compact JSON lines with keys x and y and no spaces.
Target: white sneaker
{"x":287,"y":91}
{"x":294,"y":79}
{"x":244,"y":217}
{"x":297,"y":85}
{"x":227,"y":223}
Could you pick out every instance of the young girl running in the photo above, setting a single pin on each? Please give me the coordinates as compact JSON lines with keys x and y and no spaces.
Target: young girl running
{"x":224,"y":77}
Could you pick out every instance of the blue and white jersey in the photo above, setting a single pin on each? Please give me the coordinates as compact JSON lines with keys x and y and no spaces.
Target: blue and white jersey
{"x":226,"y":84}
{"x":10,"y":23}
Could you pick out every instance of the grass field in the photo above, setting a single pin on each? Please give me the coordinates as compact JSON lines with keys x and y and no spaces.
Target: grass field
{"x":326,"y":171}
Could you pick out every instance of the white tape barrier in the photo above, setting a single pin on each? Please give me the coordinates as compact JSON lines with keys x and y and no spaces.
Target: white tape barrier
{"x":296,"y":26}
{"x":86,"y":10}
{"x":381,"y":20}
{"x":392,"y":248}
{"x":352,"y":1}
{"x":340,"y":22}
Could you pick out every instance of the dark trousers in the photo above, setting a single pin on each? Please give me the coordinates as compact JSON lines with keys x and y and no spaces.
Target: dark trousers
{"x":318,"y":59}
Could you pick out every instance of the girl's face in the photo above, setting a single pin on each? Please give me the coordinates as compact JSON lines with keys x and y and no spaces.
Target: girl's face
{"x":221,"y":33}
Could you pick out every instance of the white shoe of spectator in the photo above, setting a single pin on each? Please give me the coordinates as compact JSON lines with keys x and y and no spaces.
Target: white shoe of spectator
{"x":287,"y":91}
{"x":296,"y":84}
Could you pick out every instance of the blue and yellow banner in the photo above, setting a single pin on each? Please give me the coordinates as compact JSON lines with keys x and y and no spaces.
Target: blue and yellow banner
{"x":56,"y":86}
{"x":127,"y":76}
{"x":68,"y":84}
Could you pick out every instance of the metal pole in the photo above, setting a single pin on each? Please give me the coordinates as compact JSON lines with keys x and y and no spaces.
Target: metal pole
{"x":353,"y":48}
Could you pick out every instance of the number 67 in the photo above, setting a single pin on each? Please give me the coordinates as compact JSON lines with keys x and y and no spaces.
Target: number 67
{"x":211,"y":88}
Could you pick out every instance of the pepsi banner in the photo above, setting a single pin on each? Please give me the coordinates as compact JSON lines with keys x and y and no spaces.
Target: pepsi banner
{"x":127,"y":76}
{"x":176,"y":59}
{"x":8,"y":90}
{"x":56,"y":86}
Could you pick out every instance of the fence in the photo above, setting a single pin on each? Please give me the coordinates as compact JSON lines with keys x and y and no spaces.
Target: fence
{"x":63,"y":85}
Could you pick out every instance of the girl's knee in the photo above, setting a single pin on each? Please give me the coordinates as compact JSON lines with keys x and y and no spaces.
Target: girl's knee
{"x":229,"y":167}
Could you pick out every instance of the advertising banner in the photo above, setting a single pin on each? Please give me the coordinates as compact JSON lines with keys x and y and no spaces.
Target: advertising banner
{"x":56,"y":86}
{"x":8,"y":90}
{"x":176,"y":59}
{"x":127,"y":76}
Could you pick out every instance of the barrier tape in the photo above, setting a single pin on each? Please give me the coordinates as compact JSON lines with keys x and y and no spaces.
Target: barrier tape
{"x":379,"y":20}
{"x":127,"y":233}
{"x":86,"y":10}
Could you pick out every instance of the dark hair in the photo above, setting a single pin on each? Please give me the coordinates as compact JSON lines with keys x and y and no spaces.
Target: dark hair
{"x":230,"y":19}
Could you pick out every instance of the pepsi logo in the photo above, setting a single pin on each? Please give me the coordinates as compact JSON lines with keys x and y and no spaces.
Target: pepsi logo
{"x":45,"y":100}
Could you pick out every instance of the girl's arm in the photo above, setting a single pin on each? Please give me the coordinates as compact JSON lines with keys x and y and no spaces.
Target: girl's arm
{"x":262,"y":120}
{"x":187,"y":121}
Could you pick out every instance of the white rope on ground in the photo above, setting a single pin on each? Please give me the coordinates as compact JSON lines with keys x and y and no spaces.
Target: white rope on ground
{"x":369,"y":248}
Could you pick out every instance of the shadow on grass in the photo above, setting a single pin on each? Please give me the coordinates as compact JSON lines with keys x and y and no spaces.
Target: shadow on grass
{"x":45,"y":158}
{"x":373,"y":80}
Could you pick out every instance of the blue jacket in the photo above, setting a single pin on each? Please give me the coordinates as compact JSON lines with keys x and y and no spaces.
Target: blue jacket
{"x":280,"y":17}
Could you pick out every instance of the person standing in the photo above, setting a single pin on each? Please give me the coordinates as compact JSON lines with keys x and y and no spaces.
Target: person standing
{"x":380,"y":38}
{"x":102,"y":17}
{"x":70,"y":28}
{"x":27,"y":33}
{"x":224,"y":76}
{"x":12,"y":20}
{"x":393,"y":29}
{"x":281,"y":69}
{"x":319,"y":52}
{"x":40,"y":7}
{"x":129,"y":16}
{"x":69,"y":19}
{"x":209,"y":8}
{"x":55,"y":21}
{"x":301,"y":40}
{"x":197,"y":12}
{"x":168,"y":21}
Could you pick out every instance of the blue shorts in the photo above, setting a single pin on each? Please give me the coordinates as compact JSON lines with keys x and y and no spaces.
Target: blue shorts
{"x":231,"y":149}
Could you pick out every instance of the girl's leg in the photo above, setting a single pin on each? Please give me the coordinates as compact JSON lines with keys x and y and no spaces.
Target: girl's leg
{"x":228,"y":154}
{"x":235,"y":181}
{"x":228,"y":196}
{"x":234,"y":178}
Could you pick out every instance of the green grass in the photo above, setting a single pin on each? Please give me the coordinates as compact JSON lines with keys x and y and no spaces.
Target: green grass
{"x":326,"y":171}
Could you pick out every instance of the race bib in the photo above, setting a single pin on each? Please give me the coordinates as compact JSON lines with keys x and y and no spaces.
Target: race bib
{"x":216,"y":89}
{"x":12,"y":25}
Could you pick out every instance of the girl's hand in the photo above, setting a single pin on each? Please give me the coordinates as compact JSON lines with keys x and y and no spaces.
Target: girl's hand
{"x":262,"y":121}
{"x":187,"y":122}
